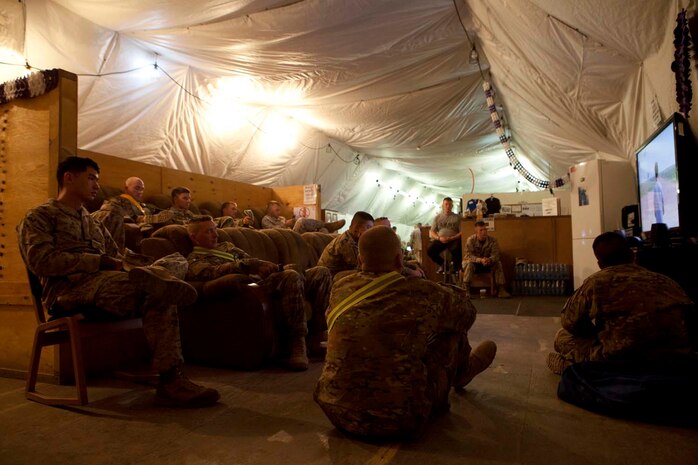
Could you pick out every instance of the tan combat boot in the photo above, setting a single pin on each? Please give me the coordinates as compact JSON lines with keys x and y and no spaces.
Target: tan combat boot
{"x":335,"y":225}
{"x":557,"y":363}
{"x":480,"y":358}
{"x":299,"y":355}
{"x":176,"y":390}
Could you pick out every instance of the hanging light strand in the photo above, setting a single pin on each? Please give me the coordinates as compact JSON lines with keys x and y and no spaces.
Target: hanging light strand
{"x":504,"y":140}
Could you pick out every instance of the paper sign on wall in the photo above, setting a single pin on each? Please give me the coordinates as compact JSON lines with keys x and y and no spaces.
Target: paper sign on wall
{"x":310,"y":194}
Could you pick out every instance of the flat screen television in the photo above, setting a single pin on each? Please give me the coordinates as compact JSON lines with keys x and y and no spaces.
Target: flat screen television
{"x":665,"y":164}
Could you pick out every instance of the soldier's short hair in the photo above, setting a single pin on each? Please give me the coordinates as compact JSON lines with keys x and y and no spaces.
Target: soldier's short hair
{"x":179,"y":190}
{"x":610,"y":248}
{"x":74,"y":164}
{"x":360,"y":218}
{"x":272,"y":202}
{"x":193,"y":224}
{"x":447,"y":198}
{"x":226,"y":204}
{"x":480,"y":223}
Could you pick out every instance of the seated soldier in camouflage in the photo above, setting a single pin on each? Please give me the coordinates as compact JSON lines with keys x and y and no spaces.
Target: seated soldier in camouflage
{"x":230,"y":217}
{"x":482,"y":254}
{"x":622,"y":312}
{"x":289,"y":289}
{"x":342,"y":254}
{"x":396,"y":346}
{"x":181,"y":201}
{"x":274,"y":220}
{"x":79,"y":264}
{"x":127,"y":208}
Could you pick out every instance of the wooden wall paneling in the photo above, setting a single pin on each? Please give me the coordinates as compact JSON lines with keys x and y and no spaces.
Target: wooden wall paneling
{"x":208,"y":188}
{"x":293,"y":196}
{"x":35,"y":135}
{"x":113,"y":171}
{"x":537,"y":239}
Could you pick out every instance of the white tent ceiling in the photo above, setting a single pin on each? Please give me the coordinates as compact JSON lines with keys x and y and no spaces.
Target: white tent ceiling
{"x":350,"y":94}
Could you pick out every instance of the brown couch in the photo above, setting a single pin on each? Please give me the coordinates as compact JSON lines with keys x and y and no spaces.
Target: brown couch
{"x":232,"y":325}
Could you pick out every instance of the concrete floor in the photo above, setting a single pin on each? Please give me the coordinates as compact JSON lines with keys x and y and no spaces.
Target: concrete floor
{"x":509,"y":415}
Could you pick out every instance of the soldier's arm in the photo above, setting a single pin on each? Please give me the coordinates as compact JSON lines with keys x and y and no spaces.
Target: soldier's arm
{"x":494,"y":254}
{"x":36,"y":237}
{"x":576,"y":314}
{"x":469,"y":252}
{"x":200,"y":270}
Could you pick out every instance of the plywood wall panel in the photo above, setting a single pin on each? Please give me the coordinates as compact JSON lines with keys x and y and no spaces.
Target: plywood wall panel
{"x":210,"y":189}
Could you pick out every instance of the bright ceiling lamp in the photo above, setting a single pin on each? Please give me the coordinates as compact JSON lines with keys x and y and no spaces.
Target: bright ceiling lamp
{"x":224,"y":112}
{"x":279,"y":133}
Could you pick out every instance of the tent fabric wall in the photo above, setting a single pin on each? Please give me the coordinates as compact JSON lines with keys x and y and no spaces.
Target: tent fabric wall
{"x":391,"y":81}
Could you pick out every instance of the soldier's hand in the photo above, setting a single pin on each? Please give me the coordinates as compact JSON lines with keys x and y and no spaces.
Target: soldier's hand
{"x":265,"y":268}
{"x":108,"y":263}
{"x":443,"y":239}
{"x":246,"y":220}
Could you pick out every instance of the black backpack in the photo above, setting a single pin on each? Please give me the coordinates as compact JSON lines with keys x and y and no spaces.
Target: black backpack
{"x":641,"y":390}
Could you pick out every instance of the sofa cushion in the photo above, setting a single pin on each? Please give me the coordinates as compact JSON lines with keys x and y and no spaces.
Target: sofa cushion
{"x":291,"y":247}
{"x":253,"y":242}
{"x":178,"y":236}
{"x":317,"y":241}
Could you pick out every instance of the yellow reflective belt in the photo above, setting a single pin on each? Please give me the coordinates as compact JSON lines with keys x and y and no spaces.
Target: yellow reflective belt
{"x":372,"y":288}
{"x":215,"y":252}
{"x":135,"y":204}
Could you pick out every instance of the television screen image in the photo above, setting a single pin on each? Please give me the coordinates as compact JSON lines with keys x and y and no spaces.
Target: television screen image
{"x":658,"y":181}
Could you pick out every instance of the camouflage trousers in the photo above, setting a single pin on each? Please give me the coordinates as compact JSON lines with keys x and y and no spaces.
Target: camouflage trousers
{"x":318,"y":283}
{"x":446,"y":355}
{"x":304,"y":225}
{"x":470,"y":268}
{"x":577,"y":349}
{"x":113,"y":293}
{"x":287,"y":292}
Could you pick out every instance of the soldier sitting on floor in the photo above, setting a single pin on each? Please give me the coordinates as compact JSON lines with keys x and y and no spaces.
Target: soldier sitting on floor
{"x":79,"y":264}
{"x":622,"y":312}
{"x":289,"y":289}
{"x":396,"y":346}
{"x":342,"y":254}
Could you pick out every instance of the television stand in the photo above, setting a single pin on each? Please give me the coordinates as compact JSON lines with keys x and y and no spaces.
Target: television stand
{"x":679,"y":261}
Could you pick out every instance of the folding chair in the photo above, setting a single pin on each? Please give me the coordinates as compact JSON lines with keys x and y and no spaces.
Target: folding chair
{"x":69,"y":329}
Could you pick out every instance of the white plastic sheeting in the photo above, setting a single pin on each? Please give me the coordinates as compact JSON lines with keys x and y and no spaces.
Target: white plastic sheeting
{"x":365,"y":97}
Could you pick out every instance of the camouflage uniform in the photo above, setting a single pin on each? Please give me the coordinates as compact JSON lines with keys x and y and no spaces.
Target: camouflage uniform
{"x":289,"y":288}
{"x":229,"y":222}
{"x":180,"y":215}
{"x":474,"y":249}
{"x":392,"y":358}
{"x":304,"y":225}
{"x":63,"y":246}
{"x":625,"y":312}
{"x":341,"y":254}
{"x":445,"y":225}
{"x":114,"y":212}
{"x":269,"y":222}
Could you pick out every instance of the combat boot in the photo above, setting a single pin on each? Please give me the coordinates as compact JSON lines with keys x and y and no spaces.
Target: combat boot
{"x":176,"y":390}
{"x":160,"y":283}
{"x":557,"y":363}
{"x":480,"y":358}
{"x":335,"y":225}
{"x":298,"y":361}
